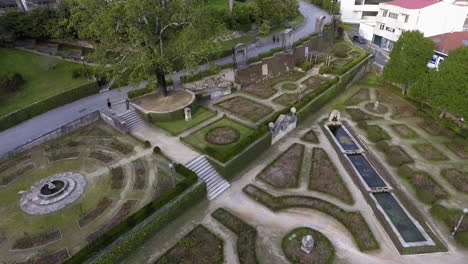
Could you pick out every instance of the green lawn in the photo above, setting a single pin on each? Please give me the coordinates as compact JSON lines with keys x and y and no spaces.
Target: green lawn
{"x":178,"y":126}
{"x":220,"y":152}
{"x":44,"y":76}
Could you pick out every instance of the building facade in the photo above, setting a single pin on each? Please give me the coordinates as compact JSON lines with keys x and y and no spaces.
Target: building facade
{"x":431,"y":17}
{"x":358,"y":11}
{"x":444,"y":43}
{"x":26,"y":5}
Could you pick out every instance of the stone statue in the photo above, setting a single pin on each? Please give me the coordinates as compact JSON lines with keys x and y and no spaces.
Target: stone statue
{"x":376,"y":105}
{"x":334,"y":117}
{"x":188,"y":114}
{"x":307,"y":244}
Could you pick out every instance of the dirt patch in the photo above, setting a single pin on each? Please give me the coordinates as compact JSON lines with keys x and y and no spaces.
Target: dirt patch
{"x":404,"y":131}
{"x":245,"y":108}
{"x":360,"y":96}
{"x":429,"y":152}
{"x":325,"y":178}
{"x":427,"y":190}
{"x":374,"y":132}
{"x":158,"y":103}
{"x":353,"y":221}
{"x":63,"y":155}
{"x":359,"y":115}
{"x":401,"y":107}
{"x":10,"y":177}
{"x":264,"y":88}
{"x":395,"y":155}
{"x":199,"y":246}
{"x":53,"y":258}
{"x":247,"y":235}
{"x":10,"y":163}
{"x":311,"y":137}
{"x":381,"y":109}
{"x":103,"y":204}
{"x":115,"y":220}
{"x":120,"y":147}
{"x":223,"y":135}
{"x":322,"y":252}
{"x":459,"y":146}
{"x":101,"y":157}
{"x":285,"y":170}
{"x":433,"y":128}
{"x":457,"y":179}
{"x":29,"y":241}
{"x":140,"y":174}
{"x":314,"y":82}
{"x":117,"y":178}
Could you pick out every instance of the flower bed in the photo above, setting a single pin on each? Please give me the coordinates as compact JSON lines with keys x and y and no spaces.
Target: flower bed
{"x":404,"y":131}
{"x":310,"y":137}
{"x":427,"y":190}
{"x":284,"y":171}
{"x":117,"y":178}
{"x":324,"y":177}
{"x":244,"y":108}
{"x":360,"y":96}
{"x":429,"y":152}
{"x":222,"y":135}
{"x":246,"y":235}
{"x":10,"y":177}
{"x":29,"y":241}
{"x":353,"y":221}
{"x":200,"y":245}
{"x":101,"y":157}
{"x":140,"y":174}
{"x":89,"y":217}
{"x":457,"y":179}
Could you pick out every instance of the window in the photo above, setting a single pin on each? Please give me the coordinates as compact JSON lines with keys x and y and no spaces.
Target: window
{"x":369,"y":13}
{"x":393,"y":15}
{"x":405,"y":17}
{"x":382,"y":26}
{"x":384,"y":13}
{"x":390,"y":29}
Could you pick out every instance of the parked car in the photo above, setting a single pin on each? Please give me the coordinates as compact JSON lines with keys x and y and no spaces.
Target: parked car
{"x":359,"y":39}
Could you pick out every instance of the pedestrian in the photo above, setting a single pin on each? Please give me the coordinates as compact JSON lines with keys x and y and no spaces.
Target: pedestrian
{"x":109,"y":104}
{"x":277,"y":39}
{"x":274,"y":38}
{"x":127,"y":104}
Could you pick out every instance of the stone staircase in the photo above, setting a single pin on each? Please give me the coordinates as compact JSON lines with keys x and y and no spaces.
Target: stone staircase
{"x":132,"y":119}
{"x":215,"y":183}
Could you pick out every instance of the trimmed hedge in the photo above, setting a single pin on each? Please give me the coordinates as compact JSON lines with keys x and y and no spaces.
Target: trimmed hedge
{"x":135,"y":239}
{"x":47,"y":104}
{"x":211,"y":71}
{"x":140,"y":92}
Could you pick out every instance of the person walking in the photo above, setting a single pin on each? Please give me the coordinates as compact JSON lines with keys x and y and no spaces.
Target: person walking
{"x":274,"y":38}
{"x":127,"y":104}
{"x":109,"y":104}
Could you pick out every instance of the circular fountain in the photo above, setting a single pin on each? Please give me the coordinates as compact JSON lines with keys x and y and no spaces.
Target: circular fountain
{"x":53,"y":193}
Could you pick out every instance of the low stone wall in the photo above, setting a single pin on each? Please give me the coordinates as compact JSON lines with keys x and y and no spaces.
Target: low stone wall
{"x":59,"y":132}
{"x":177,"y":114}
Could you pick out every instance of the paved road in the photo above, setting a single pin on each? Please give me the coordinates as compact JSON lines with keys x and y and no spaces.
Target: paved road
{"x":42,"y":124}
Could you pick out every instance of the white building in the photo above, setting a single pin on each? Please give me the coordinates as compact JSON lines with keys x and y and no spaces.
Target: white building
{"x":431,"y":17}
{"x":357,"y":11}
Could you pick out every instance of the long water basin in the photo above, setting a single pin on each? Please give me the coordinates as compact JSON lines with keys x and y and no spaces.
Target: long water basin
{"x":400,"y":220}
{"x":367,"y":172}
{"x":343,"y":138}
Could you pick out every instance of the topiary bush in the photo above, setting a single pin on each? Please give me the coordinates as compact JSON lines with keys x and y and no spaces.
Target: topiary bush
{"x":78,"y":73}
{"x":10,"y":81}
{"x":324,"y":69}
{"x":306,"y":65}
{"x":156,"y":150}
{"x":147,"y":144}
{"x":341,"y":50}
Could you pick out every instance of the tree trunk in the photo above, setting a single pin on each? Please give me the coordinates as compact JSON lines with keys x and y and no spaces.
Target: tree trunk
{"x":231,"y":5}
{"x":162,"y":85}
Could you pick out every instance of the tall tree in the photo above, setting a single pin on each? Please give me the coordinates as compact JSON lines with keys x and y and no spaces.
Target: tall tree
{"x":408,"y":58}
{"x":446,"y":89}
{"x":141,"y":40}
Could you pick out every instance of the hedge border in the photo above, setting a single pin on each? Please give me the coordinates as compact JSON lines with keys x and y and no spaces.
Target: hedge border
{"x":280,"y":207}
{"x":141,"y":225}
{"x":317,"y":234}
{"x":47,"y":104}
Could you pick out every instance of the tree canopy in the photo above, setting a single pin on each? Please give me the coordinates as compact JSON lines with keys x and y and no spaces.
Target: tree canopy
{"x":409,"y":58}
{"x":140,"y":40}
{"x":447,"y":88}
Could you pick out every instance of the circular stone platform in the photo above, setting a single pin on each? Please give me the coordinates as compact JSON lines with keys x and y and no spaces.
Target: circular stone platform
{"x":381,"y":109}
{"x":157,"y":103}
{"x":222,"y":135}
{"x":323,"y":251}
{"x":53,"y":193}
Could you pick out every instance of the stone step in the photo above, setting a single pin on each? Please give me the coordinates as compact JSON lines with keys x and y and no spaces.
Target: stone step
{"x":215,"y":184}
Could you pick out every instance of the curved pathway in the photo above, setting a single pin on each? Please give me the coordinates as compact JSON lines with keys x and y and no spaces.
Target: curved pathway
{"x":33,"y":128}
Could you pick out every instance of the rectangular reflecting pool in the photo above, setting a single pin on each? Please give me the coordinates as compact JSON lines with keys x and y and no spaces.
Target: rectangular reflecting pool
{"x":402,"y":222}
{"x":345,"y":140}
{"x":367,"y":172}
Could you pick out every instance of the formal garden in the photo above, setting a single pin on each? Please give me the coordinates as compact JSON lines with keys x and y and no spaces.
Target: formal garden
{"x":115,"y":176}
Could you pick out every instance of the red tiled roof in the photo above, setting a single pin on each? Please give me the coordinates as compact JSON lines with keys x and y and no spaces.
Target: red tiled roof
{"x":412,"y":4}
{"x":450,"y":41}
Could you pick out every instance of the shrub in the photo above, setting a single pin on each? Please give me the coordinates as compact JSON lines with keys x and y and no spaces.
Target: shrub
{"x":341,"y":50}
{"x":10,"y":81}
{"x":147,"y":144}
{"x":306,"y":65}
{"x":156,"y":150}
{"x":264,"y":28}
{"x":78,"y":73}
{"x":324,"y":69}
{"x":140,"y":92}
